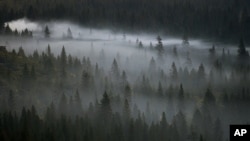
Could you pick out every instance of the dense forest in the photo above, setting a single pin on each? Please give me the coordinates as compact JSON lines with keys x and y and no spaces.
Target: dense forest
{"x":218,"y":19}
{"x":49,"y":97}
{"x":123,"y":70}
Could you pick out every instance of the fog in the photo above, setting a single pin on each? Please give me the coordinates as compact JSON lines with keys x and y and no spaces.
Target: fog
{"x":156,"y":79}
{"x":91,"y":43}
{"x":86,"y":40}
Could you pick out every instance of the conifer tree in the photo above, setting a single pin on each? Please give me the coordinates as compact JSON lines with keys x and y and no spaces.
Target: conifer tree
{"x":106,"y":110}
{"x":63,"y":62}
{"x":242,"y":52}
{"x":159,"y":46}
{"x":174,"y":73}
{"x":126,"y":110}
{"x":115,"y":72}
{"x":46,"y":32}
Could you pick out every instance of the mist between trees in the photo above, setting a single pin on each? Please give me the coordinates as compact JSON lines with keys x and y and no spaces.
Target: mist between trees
{"x":156,"y":92}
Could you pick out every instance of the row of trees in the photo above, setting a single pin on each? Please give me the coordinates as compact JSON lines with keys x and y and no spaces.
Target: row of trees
{"x":224,"y":19}
{"x":6,"y":30}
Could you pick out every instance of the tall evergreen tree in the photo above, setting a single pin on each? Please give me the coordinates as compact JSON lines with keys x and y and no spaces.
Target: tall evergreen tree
{"x":174,"y":73}
{"x":159,"y":90}
{"x":106,"y":110}
{"x":78,"y":103}
{"x":126,"y":110}
{"x":201,"y":72}
{"x":115,"y":72}
{"x":63,"y":62}
{"x":242,"y":52}
{"x":69,"y":34}
{"x":46,"y":32}
{"x":159,"y":46}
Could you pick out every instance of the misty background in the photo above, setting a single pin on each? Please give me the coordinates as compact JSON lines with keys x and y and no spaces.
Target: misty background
{"x":123,"y":70}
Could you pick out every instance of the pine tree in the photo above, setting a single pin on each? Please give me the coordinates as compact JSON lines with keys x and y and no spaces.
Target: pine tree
{"x":115,"y":72}
{"x":201,"y":72}
{"x":21,"y":52}
{"x":209,"y":103}
{"x":49,"y":51}
{"x":175,"y":51}
{"x":126,"y":110}
{"x":106,"y":110}
{"x":69,"y":34}
{"x":242,"y":52}
{"x":7,"y":30}
{"x":163,"y":121}
{"x":181,"y":93}
{"x":63,"y":62}
{"x":159,"y":90}
{"x":152,"y":65}
{"x":181,"y":102}
{"x":78,"y":103}
{"x":174,"y":73}
{"x":140,"y":45}
{"x":87,"y":79}
{"x":209,"y":98}
{"x":46,"y":32}
{"x":212,"y":50}
{"x":127,"y":92}
{"x":159,"y":46}
{"x":124,"y":78}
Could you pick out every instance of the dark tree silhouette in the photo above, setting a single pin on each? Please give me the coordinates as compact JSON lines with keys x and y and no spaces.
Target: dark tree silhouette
{"x":242,"y":52}
{"x":159,"y":46}
{"x":46,"y":32}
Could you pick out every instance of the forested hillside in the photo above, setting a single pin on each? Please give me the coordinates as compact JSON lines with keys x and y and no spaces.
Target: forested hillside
{"x":218,"y":19}
{"x":123,"y":70}
{"x":48,"y":97}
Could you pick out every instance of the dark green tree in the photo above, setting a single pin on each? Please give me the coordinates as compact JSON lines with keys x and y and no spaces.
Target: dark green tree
{"x":242,"y":52}
{"x":127,"y":92}
{"x":87,"y":80}
{"x":63,"y":62}
{"x":201,"y":72}
{"x":21,"y":52}
{"x":174,"y":72}
{"x":46,"y":32}
{"x":78,"y":103}
{"x":159,"y":46}
{"x":126,"y":110}
{"x":106,"y":110}
{"x":159,"y":90}
{"x":7,"y":30}
{"x":212,"y":50}
{"x":115,"y":72}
